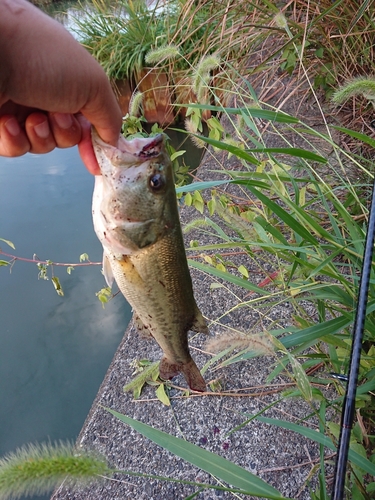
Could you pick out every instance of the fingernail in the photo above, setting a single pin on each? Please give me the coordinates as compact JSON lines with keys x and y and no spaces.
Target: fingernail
{"x":63,"y":120}
{"x":42,"y":130}
{"x":12,"y":127}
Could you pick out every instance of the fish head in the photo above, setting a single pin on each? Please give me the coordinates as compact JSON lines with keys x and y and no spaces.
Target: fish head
{"x":133,"y":194}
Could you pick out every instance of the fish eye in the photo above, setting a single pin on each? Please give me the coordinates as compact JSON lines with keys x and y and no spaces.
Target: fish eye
{"x":156,"y":182}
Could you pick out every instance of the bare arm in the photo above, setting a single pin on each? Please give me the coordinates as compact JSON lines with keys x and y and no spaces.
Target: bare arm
{"x":51,"y":89}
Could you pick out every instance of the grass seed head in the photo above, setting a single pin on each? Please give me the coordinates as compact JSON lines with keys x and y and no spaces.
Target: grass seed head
{"x":38,"y":469}
{"x":158,"y":55}
{"x":255,"y":342}
{"x":362,"y":85}
{"x":135,"y":103}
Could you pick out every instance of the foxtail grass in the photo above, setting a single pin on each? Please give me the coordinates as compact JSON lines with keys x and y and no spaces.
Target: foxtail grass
{"x":37,"y":469}
{"x":361,"y":85}
{"x":135,"y":104}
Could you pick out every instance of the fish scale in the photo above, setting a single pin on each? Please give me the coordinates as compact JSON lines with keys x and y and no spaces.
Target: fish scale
{"x":136,"y":218}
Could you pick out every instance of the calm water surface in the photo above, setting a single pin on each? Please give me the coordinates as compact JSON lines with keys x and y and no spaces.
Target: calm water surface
{"x":54,"y":351}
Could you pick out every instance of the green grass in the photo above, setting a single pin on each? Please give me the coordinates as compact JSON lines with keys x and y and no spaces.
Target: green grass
{"x":301,"y":221}
{"x":308,"y":224}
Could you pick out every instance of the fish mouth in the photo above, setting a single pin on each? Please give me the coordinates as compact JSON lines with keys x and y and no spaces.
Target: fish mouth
{"x":134,"y":222}
{"x":144,"y":148}
{"x":127,"y":151}
{"x":127,"y":220}
{"x":141,"y":227}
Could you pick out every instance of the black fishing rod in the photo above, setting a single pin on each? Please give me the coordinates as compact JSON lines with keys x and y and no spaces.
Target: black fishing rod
{"x":347,"y":415}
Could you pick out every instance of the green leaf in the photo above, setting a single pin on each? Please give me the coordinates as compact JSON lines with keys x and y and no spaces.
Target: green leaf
{"x":4,"y":263}
{"x":9,"y":243}
{"x":136,"y":385}
{"x":228,"y":277}
{"x":267,"y":176}
{"x":301,"y":378}
{"x":197,"y":201}
{"x":162,"y":395}
{"x":267,"y":226}
{"x":317,"y":331}
{"x":104,"y":295}
{"x":200,"y":186}
{"x":213,"y":122}
{"x":83,"y":257}
{"x":264,"y":114}
{"x":297,"y":152}
{"x":176,"y":154}
{"x":357,"y":135}
{"x":285,"y":216}
{"x":56,"y":283}
{"x":210,"y":462}
{"x":242,"y":269}
{"x":240,"y":153}
{"x":188,"y":199}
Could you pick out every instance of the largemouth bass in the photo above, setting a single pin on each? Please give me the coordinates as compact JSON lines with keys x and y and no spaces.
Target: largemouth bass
{"x":136,"y":219}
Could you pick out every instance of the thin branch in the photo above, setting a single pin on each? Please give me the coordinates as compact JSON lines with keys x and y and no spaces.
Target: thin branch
{"x":49,"y":262}
{"x":265,"y":392}
{"x":296,"y":466}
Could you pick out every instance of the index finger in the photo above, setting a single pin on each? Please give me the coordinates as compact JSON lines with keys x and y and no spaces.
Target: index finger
{"x":85,"y":148}
{"x":104,"y":113}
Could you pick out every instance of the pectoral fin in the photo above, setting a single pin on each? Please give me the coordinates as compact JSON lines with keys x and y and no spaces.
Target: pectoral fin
{"x":107,"y":270}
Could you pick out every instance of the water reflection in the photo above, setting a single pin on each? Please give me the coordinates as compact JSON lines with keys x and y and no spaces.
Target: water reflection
{"x":67,"y":13}
{"x":54,"y":350}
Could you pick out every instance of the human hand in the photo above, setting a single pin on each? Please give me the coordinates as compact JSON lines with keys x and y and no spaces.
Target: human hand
{"x":51,"y":89}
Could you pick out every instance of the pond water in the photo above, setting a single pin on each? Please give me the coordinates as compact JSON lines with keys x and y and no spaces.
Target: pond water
{"x":54,"y":350}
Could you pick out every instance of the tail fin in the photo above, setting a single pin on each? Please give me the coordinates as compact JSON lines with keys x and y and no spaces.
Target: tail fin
{"x":190,"y":371}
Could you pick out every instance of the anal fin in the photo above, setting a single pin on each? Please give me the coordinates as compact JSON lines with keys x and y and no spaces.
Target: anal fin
{"x":143,"y":330}
{"x":199,"y":325}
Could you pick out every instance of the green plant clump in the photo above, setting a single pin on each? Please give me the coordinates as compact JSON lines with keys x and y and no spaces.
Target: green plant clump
{"x":121,"y":34}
